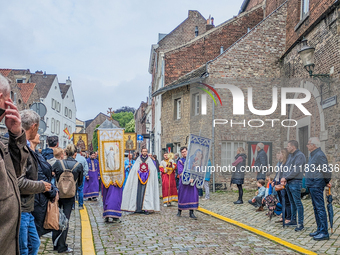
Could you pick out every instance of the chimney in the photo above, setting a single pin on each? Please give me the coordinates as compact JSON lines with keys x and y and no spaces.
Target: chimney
{"x":210,"y":23}
{"x":68,"y":81}
{"x":39,"y":72}
{"x":45,"y":74}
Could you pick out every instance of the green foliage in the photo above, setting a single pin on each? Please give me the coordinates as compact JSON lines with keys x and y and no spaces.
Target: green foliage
{"x":130,"y":127}
{"x":123,"y":118}
{"x":95,"y":139}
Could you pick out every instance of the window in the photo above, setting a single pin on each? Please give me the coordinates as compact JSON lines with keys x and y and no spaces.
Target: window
{"x":229,"y":151}
{"x":304,"y":8}
{"x":70,"y":114}
{"x":178,"y":103}
{"x":52,"y":125}
{"x":53,"y":104}
{"x":19,"y":80}
{"x":196,"y":104}
{"x":57,"y":127}
{"x":177,"y":147}
{"x":66,"y":112}
{"x":58,"y":107}
{"x":47,"y":122}
{"x":196,"y":31}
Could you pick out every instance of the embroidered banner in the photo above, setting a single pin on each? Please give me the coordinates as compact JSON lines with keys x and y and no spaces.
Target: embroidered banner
{"x":111,"y":156}
{"x":195,"y":166}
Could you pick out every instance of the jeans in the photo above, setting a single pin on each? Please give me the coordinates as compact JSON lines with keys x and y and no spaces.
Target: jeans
{"x":80,"y":193}
{"x":29,"y":241}
{"x":319,"y":209}
{"x":206,"y":188}
{"x":294,"y":193}
{"x":257,"y":203}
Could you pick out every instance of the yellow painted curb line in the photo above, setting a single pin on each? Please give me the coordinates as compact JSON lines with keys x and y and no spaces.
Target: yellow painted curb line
{"x":258,"y":232}
{"x":87,"y":246}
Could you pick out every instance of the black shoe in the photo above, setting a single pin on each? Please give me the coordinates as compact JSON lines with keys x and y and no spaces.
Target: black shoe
{"x":321,"y":237}
{"x":299,"y":228}
{"x":106,"y":220}
{"x":94,"y":199}
{"x":238,"y":202}
{"x":314,"y":234}
{"x":179,"y":213}
{"x":192,"y":215}
{"x":89,"y":199}
{"x":291,"y":224}
{"x":69,"y":250}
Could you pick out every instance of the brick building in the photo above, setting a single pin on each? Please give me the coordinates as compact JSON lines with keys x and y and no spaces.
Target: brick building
{"x":268,"y":50}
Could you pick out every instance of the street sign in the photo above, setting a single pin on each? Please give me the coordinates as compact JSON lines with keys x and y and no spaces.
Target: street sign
{"x":329,"y":102}
{"x":139,"y":138}
{"x":39,"y":108}
{"x":42,"y":127}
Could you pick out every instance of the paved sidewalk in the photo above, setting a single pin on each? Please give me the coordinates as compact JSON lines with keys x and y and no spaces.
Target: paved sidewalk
{"x":73,"y":237}
{"x":165,"y":233}
{"x":222,"y":203}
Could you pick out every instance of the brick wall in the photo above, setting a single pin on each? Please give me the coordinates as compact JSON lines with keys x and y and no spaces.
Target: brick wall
{"x":252,"y":4}
{"x":184,"y":59}
{"x":316,"y":9}
{"x":325,"y":38}
{"x":184,"y":32}
{"x":272,"y":5}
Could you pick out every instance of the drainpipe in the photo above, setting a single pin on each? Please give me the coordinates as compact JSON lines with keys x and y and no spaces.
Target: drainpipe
{"x":213,"y":142}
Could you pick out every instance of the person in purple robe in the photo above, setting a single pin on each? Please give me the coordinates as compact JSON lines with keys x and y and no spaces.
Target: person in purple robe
{"x":112,"y":200}
{"x":187,"y":194}
{"x":91,"y":186}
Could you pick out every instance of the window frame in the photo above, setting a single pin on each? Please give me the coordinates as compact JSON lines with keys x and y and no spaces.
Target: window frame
{"x":225,"y":160}
{"x":304,"y":6}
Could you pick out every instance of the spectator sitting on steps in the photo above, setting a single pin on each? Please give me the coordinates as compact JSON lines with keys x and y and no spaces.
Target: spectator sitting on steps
{"x":257,"y":200}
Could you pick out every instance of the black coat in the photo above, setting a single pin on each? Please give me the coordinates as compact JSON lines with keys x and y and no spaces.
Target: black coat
{"x":237,"y":177}
{"x":41,"y":199}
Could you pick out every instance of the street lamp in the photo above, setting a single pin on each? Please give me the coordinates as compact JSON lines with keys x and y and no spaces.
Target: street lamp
{"x":307,"y":55}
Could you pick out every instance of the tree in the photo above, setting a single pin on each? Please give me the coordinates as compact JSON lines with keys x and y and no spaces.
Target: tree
{"x":123,"y":118}
{"x":130,"y":127}
{"x":95,"y":139}
{"x":125,"y":109}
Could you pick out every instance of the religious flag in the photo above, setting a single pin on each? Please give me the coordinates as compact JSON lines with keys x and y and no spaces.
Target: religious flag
{"x":67,"y":133}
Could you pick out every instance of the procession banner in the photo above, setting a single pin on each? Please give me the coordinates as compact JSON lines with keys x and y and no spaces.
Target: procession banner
{"x":195,"y":166}
{"x":111,"y":156}
{"x":80,"y":141}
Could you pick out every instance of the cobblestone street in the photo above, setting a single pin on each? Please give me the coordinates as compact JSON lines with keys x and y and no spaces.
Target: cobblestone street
{"x":165,"y":233}
{"x":222,"y":203}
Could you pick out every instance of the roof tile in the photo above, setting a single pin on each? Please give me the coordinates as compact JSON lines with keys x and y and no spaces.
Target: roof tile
{"x":26,"y":90}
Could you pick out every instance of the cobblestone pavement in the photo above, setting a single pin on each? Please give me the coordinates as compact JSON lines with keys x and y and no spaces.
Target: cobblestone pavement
{"x":222,"y":203}
{"x":73,"y":237}
{"x":165,"y":233}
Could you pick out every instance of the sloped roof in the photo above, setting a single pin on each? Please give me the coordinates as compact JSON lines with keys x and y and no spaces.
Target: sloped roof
{"x":43,"y":83}
{"x":26,"y":90}
{"x":63,"y":89}
{"x":5,"y":72}
{"x":194,"y":76}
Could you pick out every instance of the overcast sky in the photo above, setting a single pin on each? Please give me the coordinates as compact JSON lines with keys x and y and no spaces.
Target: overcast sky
{"x":103,"y":45}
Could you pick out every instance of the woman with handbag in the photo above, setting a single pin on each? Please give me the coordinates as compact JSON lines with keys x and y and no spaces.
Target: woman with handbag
{"x":70,"y":171}
{"x":41,"y":199}
{"x":238,"y":175}
{"x":282,"y":156}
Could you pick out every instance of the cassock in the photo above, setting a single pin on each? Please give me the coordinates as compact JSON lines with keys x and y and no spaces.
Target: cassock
{"x":112,"y":200}
{"x":91,"y":186}
{"x":187,"y":194}
{"x":169,"y":190}
{"x":141,"y":189}
{"x":127,"y":169}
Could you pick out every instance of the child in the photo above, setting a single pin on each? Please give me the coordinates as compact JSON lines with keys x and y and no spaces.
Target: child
{"x":257,"y":200}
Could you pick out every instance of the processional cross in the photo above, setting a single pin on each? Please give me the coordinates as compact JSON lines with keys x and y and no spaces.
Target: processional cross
{"x":110,"y":112}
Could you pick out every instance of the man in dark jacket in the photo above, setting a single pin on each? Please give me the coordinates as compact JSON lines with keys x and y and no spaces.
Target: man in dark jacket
{"x":53,"y":143}
{"x":293,"y":178}
{"x":67,"y":203}
{"x":29,"y":186}
{"x":12,"y":162}
{"x":318,"y":177}
{"x":261,"y":162}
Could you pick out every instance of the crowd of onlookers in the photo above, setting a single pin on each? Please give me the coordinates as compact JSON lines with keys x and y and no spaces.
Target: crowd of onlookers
{"x":293,"y":178}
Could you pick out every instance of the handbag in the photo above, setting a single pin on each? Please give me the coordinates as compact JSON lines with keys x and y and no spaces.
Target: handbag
{"x":52,"y":214}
